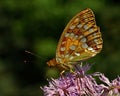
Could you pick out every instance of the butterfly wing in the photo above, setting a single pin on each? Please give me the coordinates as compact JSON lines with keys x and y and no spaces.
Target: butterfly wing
{"x":80,"y":40}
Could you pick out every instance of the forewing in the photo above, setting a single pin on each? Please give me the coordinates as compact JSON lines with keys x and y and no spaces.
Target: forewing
{"x":80,"y":40}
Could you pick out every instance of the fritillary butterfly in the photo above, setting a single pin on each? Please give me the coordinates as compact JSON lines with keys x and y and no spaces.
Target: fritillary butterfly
{"x":80,"y":40}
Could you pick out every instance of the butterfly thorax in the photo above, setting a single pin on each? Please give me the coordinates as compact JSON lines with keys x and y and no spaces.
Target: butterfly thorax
{"x":60,"y":65}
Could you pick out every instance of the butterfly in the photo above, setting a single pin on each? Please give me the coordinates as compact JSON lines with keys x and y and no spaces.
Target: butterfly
{"x":80,"y":40}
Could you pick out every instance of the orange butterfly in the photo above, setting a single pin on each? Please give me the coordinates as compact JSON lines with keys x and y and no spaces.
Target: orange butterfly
{"x":80,"y":40}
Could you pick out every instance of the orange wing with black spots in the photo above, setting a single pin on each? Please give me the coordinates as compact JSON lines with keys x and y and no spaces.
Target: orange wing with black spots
{"x":80,"y":40}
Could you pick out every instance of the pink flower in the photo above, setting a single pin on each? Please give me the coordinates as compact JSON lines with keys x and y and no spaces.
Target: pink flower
{"x":81,"y":84}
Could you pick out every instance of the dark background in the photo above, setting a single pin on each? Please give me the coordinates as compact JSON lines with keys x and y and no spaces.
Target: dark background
{"x":36,"y":25}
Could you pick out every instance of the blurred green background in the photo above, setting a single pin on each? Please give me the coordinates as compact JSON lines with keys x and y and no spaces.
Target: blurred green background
{"x":36,"y":25}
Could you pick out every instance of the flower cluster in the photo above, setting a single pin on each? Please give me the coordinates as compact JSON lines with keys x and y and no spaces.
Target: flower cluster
{"x":81,"y":84}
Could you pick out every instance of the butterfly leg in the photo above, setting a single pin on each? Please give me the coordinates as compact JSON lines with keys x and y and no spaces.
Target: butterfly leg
{"x":61,"y":73}
{"x":66,"y":67}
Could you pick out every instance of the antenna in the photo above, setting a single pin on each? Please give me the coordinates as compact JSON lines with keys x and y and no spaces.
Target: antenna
{"x":34,"y":54}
